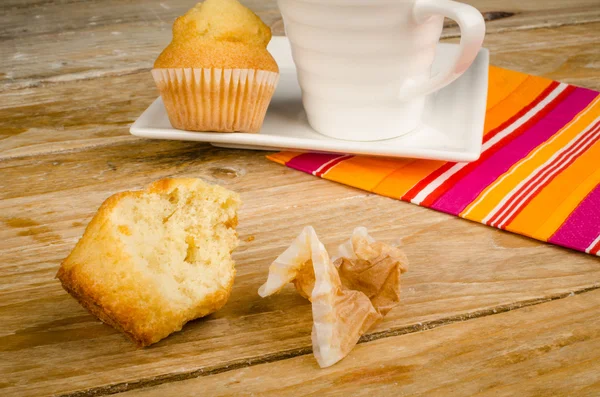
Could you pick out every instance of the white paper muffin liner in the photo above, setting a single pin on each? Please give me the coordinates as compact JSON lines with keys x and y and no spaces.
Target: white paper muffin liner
{"x":221,"y":100}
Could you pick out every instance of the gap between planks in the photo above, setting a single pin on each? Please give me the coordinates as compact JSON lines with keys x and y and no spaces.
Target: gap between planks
{"x":549,"y":70}
{"x":115,"y":141}
{"x":450,"y":32}
{"x":292,"y":353}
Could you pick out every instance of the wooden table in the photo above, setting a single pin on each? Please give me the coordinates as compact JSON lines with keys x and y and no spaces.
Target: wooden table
{"x":482,"y":312}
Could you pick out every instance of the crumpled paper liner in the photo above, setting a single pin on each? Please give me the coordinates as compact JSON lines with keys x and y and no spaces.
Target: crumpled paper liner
{"x":222,"y":100}
{"x":348,"y":295}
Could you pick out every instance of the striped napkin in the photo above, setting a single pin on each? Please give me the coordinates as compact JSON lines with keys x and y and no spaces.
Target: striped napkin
{"x":538,"y":175}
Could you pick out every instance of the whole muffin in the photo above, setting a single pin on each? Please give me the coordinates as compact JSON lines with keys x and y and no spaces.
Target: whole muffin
{"x":216,"y":74}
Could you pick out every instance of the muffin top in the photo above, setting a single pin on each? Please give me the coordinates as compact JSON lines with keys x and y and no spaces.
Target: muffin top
{"x":219,"y":34}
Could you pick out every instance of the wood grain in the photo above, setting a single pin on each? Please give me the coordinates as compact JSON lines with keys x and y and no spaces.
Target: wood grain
{"x":50,"y":16}
{"x":552,"y":349}
{"x":72,"y":115}
{"x":74,"y":75}
{"x":49,"y":344}
{"x":568,"y":54}
{"x":92,"y":40}
{"x":79,"y":114}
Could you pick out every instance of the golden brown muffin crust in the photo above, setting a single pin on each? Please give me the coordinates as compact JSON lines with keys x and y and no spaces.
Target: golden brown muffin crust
{"x":99,"y":274}
{"x":219,"y":34}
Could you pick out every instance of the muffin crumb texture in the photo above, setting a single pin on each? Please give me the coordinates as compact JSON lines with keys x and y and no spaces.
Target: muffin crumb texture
{"x":152,"y":260}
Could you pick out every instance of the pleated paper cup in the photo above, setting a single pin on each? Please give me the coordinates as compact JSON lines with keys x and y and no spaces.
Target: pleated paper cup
{"x":221,"y":100}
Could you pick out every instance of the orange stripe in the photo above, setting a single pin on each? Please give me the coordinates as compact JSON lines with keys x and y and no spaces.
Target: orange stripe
{"x":283,"y":157}
{"x":322,"y":170}
{"x":495,"y":193}
{"x":502,"y":83}
{"x":567,"y":206}
{"x":399,"y":182}
{"x":548,"y":201}
{"x":525,"y":93}
{"x":547,"y":175}
{"x":362,"y":172}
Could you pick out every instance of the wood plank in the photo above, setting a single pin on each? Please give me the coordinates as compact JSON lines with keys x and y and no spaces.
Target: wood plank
{"x":570,"y":54}
{"x":552,"y":349}
{"x":91,"y":40}
{"x":79,"y":114}
{"x":50,"y":16}
{"x":69,"y":116}
{"x":99,"y":49}
{"x":50,"y":345}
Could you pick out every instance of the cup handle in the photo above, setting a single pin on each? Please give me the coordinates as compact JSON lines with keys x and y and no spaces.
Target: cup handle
{"x":472,"y":33}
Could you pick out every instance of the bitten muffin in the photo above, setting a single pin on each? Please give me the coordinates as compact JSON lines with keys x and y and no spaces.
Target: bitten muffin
{"x":216,"y":74}
{"x":152,"y":260}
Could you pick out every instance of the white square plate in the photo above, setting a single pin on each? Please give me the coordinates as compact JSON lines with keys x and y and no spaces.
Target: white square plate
{"x":452,"y":128}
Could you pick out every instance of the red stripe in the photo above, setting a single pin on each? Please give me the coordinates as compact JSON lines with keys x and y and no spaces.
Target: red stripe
{"x":541,"y":187}
{"x":437,"y":193}
{"x":522,"y":112}
{"x":595,"y":249}
{"x":412,"y":193}
{"x":332,"y":164}
{"x":550,"y":168}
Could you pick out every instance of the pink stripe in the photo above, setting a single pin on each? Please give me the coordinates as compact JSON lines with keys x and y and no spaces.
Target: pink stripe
{"x":527,"y":117}
{"x":583,"y":226}
{"x":311,"y":162}
{"x":547,"y":174}
{"x":546,"y":183}
{"x":457,"y":198}
{"x":329,"y":165}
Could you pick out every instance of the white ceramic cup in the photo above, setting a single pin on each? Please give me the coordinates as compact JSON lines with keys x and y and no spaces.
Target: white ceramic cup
{"x":364,"y":66}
